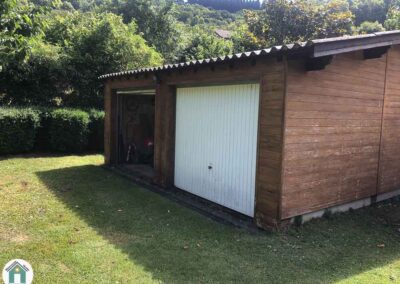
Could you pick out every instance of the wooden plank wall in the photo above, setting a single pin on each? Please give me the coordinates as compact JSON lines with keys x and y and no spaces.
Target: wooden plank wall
{"x":389,"y":169}
{"x":269,"y":168}
{"x":332,"y":133}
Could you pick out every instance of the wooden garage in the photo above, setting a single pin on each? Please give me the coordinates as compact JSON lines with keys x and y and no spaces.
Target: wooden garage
{"x":274,"y":134}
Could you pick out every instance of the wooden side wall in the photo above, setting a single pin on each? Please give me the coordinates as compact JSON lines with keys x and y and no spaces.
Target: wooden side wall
{"x":269,"y":168}
{"x":332,"y":134}
{"x":389,"y":169}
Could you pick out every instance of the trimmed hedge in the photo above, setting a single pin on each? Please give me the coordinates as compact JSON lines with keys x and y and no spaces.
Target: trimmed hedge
{"x":50,"y":130}
{"x":96,"y":130}
{"x":42,"y":143}
{"x":69,"y":130}
{"x":17,"y":130}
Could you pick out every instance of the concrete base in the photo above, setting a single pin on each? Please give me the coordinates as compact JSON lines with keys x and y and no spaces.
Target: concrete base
{"x":346,"y":207}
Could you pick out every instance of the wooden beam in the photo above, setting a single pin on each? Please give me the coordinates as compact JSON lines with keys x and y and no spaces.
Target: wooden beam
{"x":319,"y":63}
{"x":377,"y":52}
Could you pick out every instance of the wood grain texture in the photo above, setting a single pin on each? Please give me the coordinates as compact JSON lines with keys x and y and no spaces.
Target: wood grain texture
{"x":389,"y":167}
{"x":107,"y":124}
{"x":332,"y":135}
{"x":269,"y":169}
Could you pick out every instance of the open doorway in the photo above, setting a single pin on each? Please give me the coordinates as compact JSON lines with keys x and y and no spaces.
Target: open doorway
{"x":136,"y":122}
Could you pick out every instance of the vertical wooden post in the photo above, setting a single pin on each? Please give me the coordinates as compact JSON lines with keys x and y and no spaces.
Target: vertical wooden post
{"x":107,"y":123}
{"x":270,"y":146}
{"x":165,"y":134}
{"x":169,"y":137}
{"x":158,"y":133}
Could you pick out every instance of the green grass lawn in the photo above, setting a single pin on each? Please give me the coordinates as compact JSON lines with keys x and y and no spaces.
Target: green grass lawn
{"x":76,"y":222}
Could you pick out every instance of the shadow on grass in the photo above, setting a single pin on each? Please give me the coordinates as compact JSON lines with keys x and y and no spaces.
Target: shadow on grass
{"x":176,"y":244}
{"x":36,"y":155}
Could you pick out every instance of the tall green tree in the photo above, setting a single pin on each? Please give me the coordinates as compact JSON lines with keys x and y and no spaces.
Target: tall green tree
{"x":369,"y":28}
{"x":393,"y":17}
{"x":369,"y":10}
{"x":99,"y":44}
{"x":283,"y":21}
{"x":205,"y":45}
{"x":19,"y":21}
{"x":64,"y":64}
{"x":155,"y":22}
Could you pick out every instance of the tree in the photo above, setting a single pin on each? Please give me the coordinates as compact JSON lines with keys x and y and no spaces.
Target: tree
{"x":197,"y":15}
{"x":282,"y":21}
{"x":99,"y":44}
{"x":19,"y":21}
{"x":228,"y":5}
{"x":38,"y":80}
{"x":244,"y":40}
{"x":369,"y":10}
{"x":369,"y":28}
{"x":205,"y":45}
{"x":64,"y":65}
{"x":156,"y":23}
{"x":393,"y":18}
{"x":337,"y":19}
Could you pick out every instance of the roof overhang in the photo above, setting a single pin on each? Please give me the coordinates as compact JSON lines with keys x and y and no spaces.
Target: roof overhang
{"x":332,"y":46}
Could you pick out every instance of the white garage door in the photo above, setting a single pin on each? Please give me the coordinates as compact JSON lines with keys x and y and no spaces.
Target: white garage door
{"x":216,"y":144}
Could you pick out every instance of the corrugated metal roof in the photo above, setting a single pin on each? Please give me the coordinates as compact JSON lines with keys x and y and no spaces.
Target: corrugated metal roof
{"x":321,"y":47}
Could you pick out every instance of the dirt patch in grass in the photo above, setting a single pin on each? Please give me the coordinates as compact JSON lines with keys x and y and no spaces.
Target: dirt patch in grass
{"x":13,"y":236}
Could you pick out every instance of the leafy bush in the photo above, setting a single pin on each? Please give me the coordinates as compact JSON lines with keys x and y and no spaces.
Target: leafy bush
{"x":17,"y":130}
{"x":46,"y":129}
{"x":42,"y":142}
{"x":69,"y":130}
{"x":369,"y":28}
{"x":96,"y":130}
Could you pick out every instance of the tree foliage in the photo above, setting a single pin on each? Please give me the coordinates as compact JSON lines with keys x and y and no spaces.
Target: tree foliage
{"x":52,"y":51}
{"x":393,"y":19}
{"x":369,"y":10}
{"x":197,"y":15}
{"x":370,"y":27}
{"x":232,"y":5}
{"x":155,"y":22}
{"x":19,"y":21}
{"x":283,"y":21}
{"x":205,"y":45}
{"x":64,"y":63}
{"x":97,"y":44}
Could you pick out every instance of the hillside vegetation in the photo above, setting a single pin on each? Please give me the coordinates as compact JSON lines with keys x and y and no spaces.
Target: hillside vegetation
{"x":52,"y":52}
